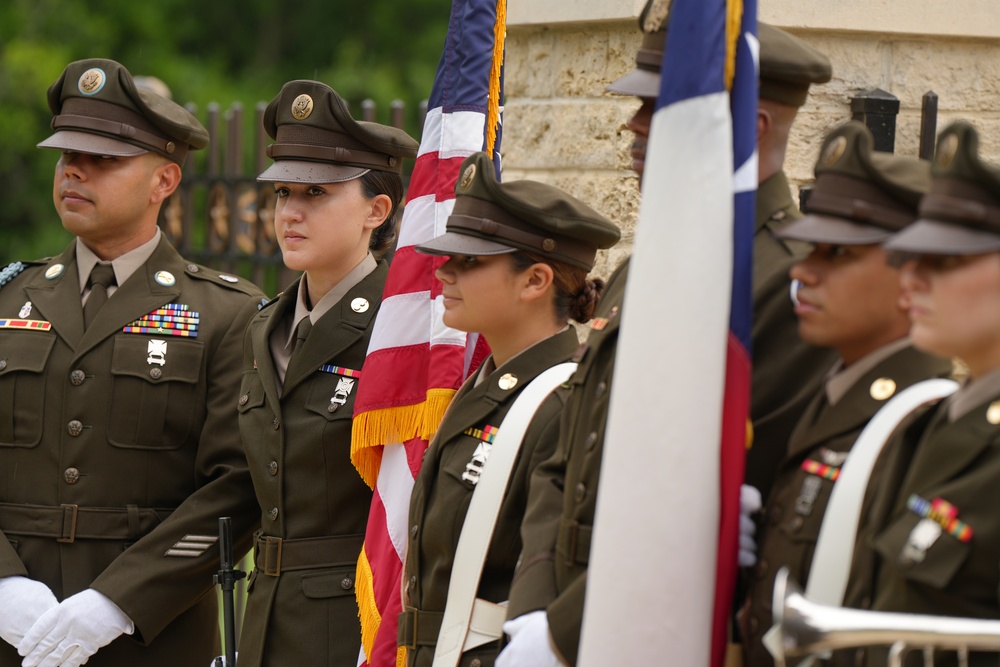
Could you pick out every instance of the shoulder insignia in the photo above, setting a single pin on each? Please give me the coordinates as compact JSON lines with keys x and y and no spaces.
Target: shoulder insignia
{"x":226,"y":280}
{"x":9,"y":272}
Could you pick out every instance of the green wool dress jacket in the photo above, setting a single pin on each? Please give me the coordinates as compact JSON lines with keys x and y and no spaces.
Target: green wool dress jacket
{"x":447,"y":480}
{"x":119,"y":449}
{"x":563,"y":495}
{"x":301,"y":608}
{"x":787,"y":372}
{"x":817,"y":450}
{"x":944,"y":564}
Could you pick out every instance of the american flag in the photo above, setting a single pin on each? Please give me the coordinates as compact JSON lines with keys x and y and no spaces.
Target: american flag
{"x":673,"y":459}
{"x":415,"y":364}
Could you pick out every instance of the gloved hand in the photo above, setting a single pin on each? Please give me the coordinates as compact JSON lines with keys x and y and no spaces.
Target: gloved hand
{"x":530,"y":644}
{"x":750,"y":502}
{"x":68,"y":634}
{"x":22,"y":602}
{"x":221,"y":660}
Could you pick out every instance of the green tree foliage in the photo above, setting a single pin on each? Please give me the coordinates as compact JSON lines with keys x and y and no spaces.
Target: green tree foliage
{"x":207,"y":51}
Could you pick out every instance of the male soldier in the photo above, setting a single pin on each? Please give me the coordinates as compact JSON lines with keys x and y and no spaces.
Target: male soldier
{"x":119,"y":374}
{"x":850,"y":300}
{"x":928,"y":540}
{"x":552,"y":574}
{"x":787,"y":372}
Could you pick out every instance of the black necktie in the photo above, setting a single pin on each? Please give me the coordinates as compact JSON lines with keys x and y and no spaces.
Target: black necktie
{"x":101,"y":277}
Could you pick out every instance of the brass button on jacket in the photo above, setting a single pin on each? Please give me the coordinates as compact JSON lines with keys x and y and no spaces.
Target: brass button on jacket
{"x":71,"y":475}
{"x":74,"y":428}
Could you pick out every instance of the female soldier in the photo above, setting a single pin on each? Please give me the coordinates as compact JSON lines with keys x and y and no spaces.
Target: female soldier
{"x":519,"y":253}
{"x":338,"y":184}
{"x":930,"y":542}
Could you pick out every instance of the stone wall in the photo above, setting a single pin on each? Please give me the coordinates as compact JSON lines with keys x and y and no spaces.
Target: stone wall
{"x":560,"y":126}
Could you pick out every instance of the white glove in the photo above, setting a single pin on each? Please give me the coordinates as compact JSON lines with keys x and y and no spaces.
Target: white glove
{"x":530,"y":644}
{"x":221,"y":660}
{"x":750,"y":502}
{"x":68,"y":634}
{"x":22,"y":602}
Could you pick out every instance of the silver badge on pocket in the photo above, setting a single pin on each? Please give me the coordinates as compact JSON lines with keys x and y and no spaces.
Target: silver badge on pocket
{"x":157,"y":351}
{"x":922,"y":537}
{"x":344,"y":388}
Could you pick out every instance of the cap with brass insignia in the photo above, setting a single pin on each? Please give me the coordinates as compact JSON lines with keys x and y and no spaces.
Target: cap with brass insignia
{"x":861,"y":196}
{"x":644,"y":80}
{"x":99,"y":109}
{"x":317,"y":141}
{"x":788,"y":66}
{"x":961,"y":213}
{"x":493,"y":218}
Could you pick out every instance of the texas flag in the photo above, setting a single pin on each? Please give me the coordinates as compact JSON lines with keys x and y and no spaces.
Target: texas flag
{"x":663,"y":564}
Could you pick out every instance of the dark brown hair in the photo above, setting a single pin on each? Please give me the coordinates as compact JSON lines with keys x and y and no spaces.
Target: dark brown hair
{"x":373,"y":184}
{"x":576,"y":295}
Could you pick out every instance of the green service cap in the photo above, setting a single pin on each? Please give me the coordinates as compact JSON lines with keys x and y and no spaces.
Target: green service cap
{"x":788,"y":66}
{"x":317,"y":141}
{"x":644,"y":80}
{"x":961,"y":213}
{"x":492,"y":218}
{"x":99,"y":109}
{"x":861,"y":196}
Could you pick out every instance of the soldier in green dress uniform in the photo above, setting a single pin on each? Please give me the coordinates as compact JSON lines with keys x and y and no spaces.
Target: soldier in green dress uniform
{"x":338,"y":186}
{"x":519,"y":253}
{"x":119,"y":372}
{"x":929,"y":535}
{"x":850,"y":300}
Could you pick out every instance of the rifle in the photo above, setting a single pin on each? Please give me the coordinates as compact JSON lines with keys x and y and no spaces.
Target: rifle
{"x":227,"y":577}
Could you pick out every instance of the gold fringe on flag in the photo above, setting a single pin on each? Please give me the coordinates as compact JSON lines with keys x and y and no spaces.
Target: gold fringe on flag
{"x":493,"y":105}
{"x":364,"y":592}
{"x":734,"y":22}
{"x":381,"y":427}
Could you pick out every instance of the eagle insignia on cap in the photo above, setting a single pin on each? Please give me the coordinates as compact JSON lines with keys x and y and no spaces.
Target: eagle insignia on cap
{"x":467,"y":176}
{"x":834,"y":151}
{"x":946,"y":151}
{"x":302,"y":107}
{"x":91,"y":81}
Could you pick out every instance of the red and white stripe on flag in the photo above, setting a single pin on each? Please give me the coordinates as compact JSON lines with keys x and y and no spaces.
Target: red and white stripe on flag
{"x":415,"y":363}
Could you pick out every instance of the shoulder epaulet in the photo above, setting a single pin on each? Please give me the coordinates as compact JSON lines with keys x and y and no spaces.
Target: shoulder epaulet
{"x":222,"y":279}
{"x":265,"y":302}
